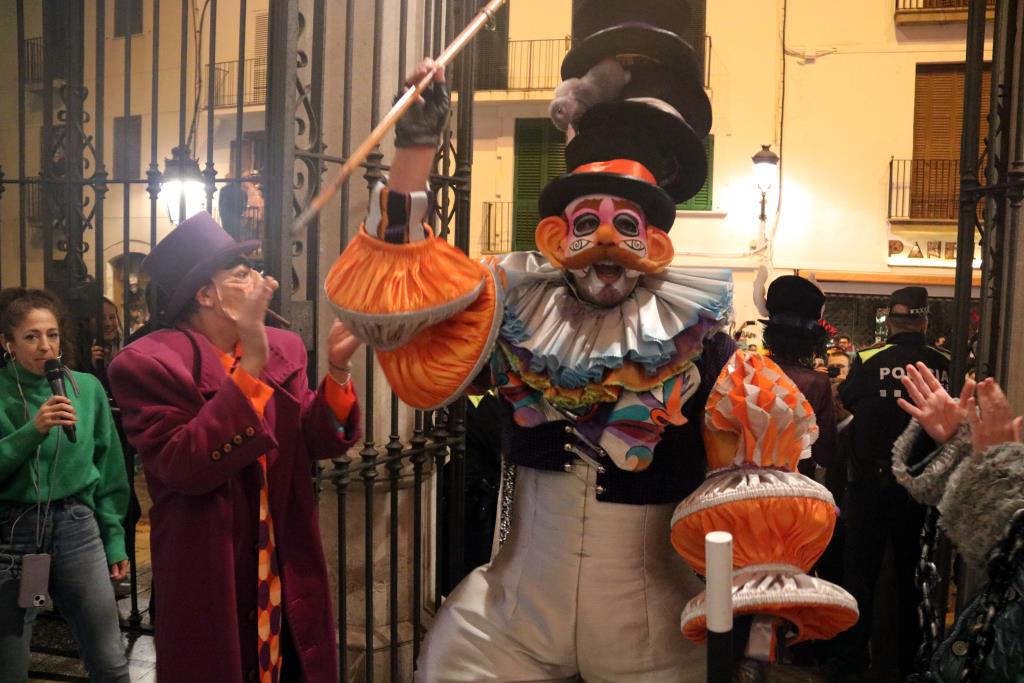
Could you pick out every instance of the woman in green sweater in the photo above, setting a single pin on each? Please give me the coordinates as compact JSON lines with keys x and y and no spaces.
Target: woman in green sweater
{"x":59,"y":498}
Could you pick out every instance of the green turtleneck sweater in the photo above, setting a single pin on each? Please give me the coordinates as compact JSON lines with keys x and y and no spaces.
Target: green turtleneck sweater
{"x":92,"y":469}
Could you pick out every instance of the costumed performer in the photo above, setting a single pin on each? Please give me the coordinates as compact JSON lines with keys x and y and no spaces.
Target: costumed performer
{"x":220,"y":410}
{"x":605,"y":354}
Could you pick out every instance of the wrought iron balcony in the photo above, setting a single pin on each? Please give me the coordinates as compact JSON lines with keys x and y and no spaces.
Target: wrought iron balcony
{"x":936,"y":4}
{"x":496,"y":236}
{"x":225,"y":83}
{"x":937,"y":11}
{"x":924,"y":189}
{"x":33,"y":66}
{"x":524,"y":65}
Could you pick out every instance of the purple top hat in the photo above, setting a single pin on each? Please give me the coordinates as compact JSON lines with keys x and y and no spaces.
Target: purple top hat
{"x":184,"y":261}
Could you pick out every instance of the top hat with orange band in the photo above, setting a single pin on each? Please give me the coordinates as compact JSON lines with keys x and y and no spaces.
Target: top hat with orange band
{"x":617,"y":178}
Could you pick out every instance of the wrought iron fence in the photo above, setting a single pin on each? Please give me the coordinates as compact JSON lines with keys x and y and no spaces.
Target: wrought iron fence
{"x":525,"y":65}
{"x":402,"y":489}
{"x":225,"y":83}
{"x":924,"y":188}
{"x":496,"y":237}
{"x":903,"y":5}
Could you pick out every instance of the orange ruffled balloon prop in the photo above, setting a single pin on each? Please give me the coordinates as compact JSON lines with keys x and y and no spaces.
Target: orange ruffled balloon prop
{"x":410,"y":285}
{"x":757,"y":426}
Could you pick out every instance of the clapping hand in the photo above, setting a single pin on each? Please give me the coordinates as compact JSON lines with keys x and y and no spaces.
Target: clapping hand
{"x":939,"y":414}
{"x":251,"y":331}
{"x":992,"y":422}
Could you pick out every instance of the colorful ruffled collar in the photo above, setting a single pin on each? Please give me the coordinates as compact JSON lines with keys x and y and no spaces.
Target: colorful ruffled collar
{"x":574,"y":342}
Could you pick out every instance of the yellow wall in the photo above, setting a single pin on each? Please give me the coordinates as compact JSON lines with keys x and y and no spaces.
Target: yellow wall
{"x":846,"y":114}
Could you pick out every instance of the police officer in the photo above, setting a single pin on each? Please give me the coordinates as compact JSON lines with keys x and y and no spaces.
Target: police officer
{"x":877,"y":510}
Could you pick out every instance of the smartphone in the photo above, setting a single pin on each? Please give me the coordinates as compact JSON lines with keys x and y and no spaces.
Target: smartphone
{"x":35,"y":580}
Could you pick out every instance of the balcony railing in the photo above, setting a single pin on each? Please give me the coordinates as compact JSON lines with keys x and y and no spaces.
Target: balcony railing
{"x":525,"y":65}
{"x":33,"y":208}
{"x":33,"y":66}
{"x":225,"y":83}
{"x":496,"y":237}
{"x":905,"y":5}
{"x":924,"y":188}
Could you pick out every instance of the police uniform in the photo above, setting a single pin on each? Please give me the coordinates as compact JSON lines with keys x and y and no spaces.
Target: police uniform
{"x":877,"y":509}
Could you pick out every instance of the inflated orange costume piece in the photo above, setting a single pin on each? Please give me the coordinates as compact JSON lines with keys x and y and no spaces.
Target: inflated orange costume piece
{"x":757,"y":426}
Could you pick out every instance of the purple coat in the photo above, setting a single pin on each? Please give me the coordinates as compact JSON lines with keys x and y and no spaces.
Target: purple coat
{"x":199,"y":439}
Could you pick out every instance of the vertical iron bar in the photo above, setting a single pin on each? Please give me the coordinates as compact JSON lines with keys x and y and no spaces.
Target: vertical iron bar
{"x":278,"y":181}
{"x":153,"y":173}
{"x":1015,"y":147}
{"x":439,"y":437}
{"x":100,"y":140}
{"x":22,"y":190}
{"x":236,"y":161}
{"x":968,"y":187}
{"x":126,"y":188}
{"x":313,"y":230}
{"x":427,"y":23}
{"x":341,"y":486}
{"x":346,"y":113}
{"x":419,"y":444}
{"x":403,"y":37}
{"x":891,"y":162}
{"x":368,"y":456}
{"x":47,"y":172}
{"x":210,"y":173}
{"x":183,"y":100}
{"x":394,"y":460}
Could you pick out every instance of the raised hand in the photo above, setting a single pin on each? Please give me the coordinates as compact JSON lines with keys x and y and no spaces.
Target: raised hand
{"x":991,"y":419}
{"x":423,"y":124}
{"x":251,"y":331}
{"x":932,"y":406}
{"x":341,"y":346}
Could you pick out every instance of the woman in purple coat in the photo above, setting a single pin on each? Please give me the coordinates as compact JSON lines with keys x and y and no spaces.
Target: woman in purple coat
{"x":221,"y":413}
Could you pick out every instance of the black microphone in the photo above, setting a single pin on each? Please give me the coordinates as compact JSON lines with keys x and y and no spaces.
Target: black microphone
{"x":55,"y":376}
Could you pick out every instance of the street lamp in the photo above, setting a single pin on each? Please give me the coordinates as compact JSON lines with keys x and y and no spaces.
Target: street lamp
{"x":766,"y":165}
{"x":182,"y":191}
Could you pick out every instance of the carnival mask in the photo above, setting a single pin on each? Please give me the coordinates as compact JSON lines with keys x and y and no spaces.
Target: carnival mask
{"x":232,"y":286}
{"x":604,"y":243}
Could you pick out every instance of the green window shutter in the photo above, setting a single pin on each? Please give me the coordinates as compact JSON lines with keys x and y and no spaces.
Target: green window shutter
{"x":702,"y":200}
{"x":539,"y":157}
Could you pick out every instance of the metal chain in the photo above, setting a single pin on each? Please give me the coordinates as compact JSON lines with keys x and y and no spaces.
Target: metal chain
{"x":926,"y":576}
{"x":1003,"y":564}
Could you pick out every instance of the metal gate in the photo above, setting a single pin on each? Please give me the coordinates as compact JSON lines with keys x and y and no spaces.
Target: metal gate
{"x":254,"y":102}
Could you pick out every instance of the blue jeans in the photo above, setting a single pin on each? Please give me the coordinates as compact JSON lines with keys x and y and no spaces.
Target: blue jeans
{"x":79,"y":585}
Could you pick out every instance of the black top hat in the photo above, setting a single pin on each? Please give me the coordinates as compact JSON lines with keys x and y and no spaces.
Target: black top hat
{"x":915,"y":299}
{"x":646,"y":131}
{"x":643,"y":35}
{"x":616,"y":177}
{"x":794,"y":301}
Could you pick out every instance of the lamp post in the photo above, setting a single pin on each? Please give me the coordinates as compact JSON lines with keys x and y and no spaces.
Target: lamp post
{"x":766,"y":165}
{"x":182,"y":190}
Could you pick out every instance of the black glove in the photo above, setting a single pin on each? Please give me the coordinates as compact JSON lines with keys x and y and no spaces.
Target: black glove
{"x":423,"y":122}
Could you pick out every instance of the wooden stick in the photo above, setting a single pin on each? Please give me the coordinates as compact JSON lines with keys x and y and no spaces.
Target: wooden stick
{"x":397,"y":111}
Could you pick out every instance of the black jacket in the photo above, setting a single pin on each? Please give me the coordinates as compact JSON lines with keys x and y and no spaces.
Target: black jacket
{"x":870,"y":392}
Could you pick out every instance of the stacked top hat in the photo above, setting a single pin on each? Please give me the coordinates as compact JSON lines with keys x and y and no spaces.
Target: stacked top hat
{"x":633,"y":89}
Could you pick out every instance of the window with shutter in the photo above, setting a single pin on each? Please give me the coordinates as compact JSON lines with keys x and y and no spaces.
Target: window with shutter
{"x":694,"y":34}
{"x":702,"y":200}
{"x":127,"y":146}
{"x":539,"y":157}
{"x":127,"y":18}
{"x":938,"y":123}
{"x":491,"y":47}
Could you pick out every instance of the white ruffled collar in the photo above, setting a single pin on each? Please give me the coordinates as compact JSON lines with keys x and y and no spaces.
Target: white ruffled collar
{"x":574,"y":342}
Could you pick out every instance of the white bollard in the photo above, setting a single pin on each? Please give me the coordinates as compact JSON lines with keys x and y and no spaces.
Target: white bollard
{"x":718,"y":603}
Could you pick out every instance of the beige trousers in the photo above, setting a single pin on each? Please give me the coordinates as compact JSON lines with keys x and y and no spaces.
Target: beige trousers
{"x":579,"y":589}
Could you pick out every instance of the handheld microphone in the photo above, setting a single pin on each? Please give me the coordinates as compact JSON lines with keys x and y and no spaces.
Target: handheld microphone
{"x":55,"y":376}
